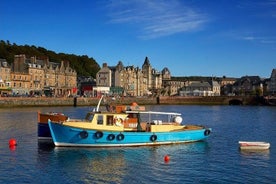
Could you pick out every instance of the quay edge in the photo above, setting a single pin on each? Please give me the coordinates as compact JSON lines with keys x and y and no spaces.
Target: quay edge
{"x":80,"y":101}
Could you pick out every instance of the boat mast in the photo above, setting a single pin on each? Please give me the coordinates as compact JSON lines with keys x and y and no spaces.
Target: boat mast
{"x":99,"y":103}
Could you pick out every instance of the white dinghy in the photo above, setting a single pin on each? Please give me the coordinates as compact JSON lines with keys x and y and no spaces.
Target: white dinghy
{"x":249,"y":145}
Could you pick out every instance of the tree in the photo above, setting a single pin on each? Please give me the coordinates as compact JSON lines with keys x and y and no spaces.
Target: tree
{"x":83,"y":65}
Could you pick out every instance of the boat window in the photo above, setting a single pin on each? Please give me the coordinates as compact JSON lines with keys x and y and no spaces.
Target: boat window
{"x":100,"y":120}
{"x":89,"y":117}
{"x":109,"y":120}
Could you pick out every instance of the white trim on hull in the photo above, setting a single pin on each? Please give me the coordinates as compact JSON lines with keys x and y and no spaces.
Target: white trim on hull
{"x":61,"y":144}
{"x":45,"y":138}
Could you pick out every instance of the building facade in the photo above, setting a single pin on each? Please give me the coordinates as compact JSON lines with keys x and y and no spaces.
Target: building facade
{"x":130,"y":80}
{"x":248,"y":85}
{"x":32,"y":76}
{"x":5,"y":78}
{"x":272,"y":83}
{"x":196,"y":88}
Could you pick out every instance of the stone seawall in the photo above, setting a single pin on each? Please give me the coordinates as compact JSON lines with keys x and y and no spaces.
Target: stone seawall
{"x":195,"y":100}
{"x":44,"y":101}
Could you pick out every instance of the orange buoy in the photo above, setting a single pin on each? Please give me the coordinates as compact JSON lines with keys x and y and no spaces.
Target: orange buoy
{"x":166,"y":158}
{"x":12,"y":142}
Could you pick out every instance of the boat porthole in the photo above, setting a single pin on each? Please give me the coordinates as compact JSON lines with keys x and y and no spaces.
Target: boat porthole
{"x":83,"y":134}
{"x":153,"y":138}
{"x":207,"y":132}
{"x":111,"y":137}
{"x":120,"y":137}
{"x":98,"y":134}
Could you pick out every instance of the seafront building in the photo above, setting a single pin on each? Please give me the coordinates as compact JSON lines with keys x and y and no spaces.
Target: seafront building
{"x":129,"y":80}
{"x":33,"y":76}
{"x":5,"y":77}
{"x":272,"y":83}
{"x":133,"y":81}
{"x":201,"y":88}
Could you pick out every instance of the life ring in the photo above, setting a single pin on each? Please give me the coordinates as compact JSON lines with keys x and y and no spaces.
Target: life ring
{"x":120,"y":137}
{"x":118,"y":121}
{"x":153,"y":138}
{"x":98,"y":134}
{"x":207,"y":132}
{"x":111,"y":137}
{"x":83,"y":134}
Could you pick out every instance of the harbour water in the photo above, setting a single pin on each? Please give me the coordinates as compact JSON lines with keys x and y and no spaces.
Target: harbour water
{"x":216,"y":160}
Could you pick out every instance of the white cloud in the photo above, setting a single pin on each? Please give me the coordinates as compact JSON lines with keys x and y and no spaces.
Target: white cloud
{"x":249,"y":38}
{"x":156,"y":18}
{"x":267,"y":40}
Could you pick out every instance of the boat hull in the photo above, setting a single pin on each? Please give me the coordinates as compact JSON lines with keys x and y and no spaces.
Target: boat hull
{"x":69,"y":136}
{"x":43,"y":130}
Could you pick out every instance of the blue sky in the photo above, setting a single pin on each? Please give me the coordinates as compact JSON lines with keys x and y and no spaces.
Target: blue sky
{"x":192,"y":38}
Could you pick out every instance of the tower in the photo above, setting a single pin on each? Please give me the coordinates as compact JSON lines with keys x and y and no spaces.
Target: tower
{"x":147,"y":73}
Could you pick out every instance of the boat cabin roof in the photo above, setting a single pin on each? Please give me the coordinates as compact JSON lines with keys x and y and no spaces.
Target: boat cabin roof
{"x":153,"y":112}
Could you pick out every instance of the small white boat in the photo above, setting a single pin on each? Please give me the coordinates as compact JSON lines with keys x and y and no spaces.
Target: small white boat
{"x":249,"y":145}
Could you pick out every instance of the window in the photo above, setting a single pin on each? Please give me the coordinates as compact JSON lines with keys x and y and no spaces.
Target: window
{"x":89,"y":117}
{"x":109,"y":120}
{"x":100,"y":120}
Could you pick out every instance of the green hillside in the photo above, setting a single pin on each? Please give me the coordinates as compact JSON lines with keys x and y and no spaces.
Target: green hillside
{"x":84,"y":65}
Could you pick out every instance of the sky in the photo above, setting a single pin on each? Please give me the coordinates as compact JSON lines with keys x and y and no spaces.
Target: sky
{"x":191,"y":38}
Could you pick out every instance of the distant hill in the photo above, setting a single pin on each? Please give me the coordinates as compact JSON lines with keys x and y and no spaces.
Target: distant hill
{"x":84,"y":65}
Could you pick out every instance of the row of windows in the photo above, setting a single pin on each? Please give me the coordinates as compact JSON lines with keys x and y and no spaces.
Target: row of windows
{"x":5,"y":70}
{"x":24,"y":85}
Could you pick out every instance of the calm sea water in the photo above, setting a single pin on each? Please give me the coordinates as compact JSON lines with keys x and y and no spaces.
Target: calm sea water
{"x":216,"y":160}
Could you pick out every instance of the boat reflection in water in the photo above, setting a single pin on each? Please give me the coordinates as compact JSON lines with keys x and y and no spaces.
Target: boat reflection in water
{"x":116,"y":165}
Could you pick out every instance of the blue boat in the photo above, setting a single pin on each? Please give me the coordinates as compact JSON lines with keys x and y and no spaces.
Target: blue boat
{"x":126,"y":126}
{"x":43,"y":131}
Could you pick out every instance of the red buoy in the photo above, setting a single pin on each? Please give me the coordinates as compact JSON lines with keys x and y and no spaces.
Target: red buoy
{"x":12,"y":148}
{"x":166,"y":158}
{"x":12,"y":142}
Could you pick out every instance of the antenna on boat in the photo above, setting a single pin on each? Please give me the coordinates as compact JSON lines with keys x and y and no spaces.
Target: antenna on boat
{"x":99,"y":103}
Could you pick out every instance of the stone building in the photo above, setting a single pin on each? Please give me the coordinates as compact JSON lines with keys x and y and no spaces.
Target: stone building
{"x":104,"y":76}
{"x":196,"y":88}
{"x":200,"y":88}
{"x":172,"y":87}
{"x":20,"y":83}
{"x":152,"y":77}
{"x":215,"y":88}
{"x":5,"y":71}
{"x":272,"y":83}
{"x":248,"y":85}
{"x":32,"y":76}
{"x":130,"y":80}
{"x":226,"y":84}
{"x":5,"y":78}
